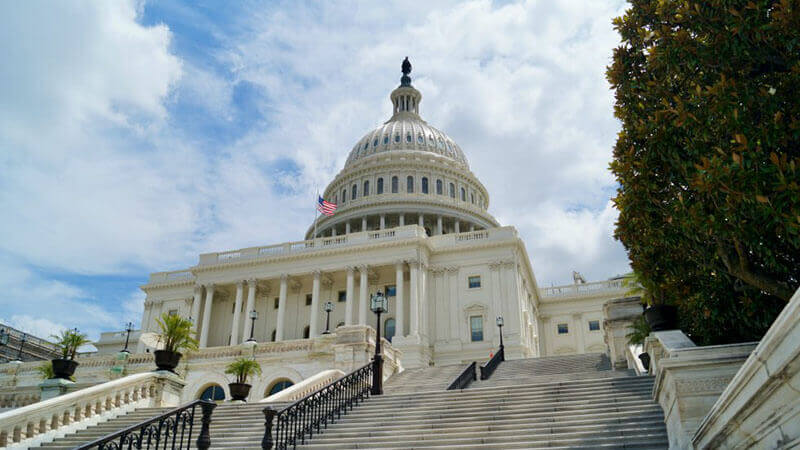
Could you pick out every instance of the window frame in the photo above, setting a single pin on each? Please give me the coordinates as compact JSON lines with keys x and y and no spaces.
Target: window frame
{"x":410,"y":184}
{"x":469,"y":282}
{"x":473,"y":332}
{"x":309,"y":299}
{"x":595,"y":321}
{"x":452,"y":190}
{"x":558,"y":328}
{"x":439,"y":187}
{"x":424,"y":187}
{"x":379,"y":186}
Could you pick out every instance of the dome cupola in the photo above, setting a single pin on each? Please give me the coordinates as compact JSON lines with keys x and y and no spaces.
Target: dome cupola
{"x":405,"y":172}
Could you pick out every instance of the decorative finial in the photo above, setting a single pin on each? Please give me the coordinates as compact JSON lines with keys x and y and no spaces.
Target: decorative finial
{"x":405,"y":80}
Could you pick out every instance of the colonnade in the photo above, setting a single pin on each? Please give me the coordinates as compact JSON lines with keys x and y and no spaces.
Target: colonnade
{"x":357,"y":308}
{"x":438,"y":224}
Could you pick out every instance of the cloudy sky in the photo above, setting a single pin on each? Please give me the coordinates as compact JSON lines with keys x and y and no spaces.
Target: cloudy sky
{"x":135,"y":135}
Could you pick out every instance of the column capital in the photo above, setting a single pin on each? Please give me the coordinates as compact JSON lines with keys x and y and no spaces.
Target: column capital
{"x":400,"y":264}
{"x":284,"y":277}
{"x":210,"y":286}
{"x":317,"y":273}
{"x":350,"y":269}
{"x":252,"y":282}
{"x":413,"y":263}
{"x":240,"y":283}
{"x":363,"y":268}
{"x":452,"y":269}
{"x":198,"y":288}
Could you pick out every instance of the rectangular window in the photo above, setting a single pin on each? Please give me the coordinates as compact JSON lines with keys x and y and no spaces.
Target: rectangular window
{"x":474,"y":281}
{"x":277,"y":302}
{"x":476,"y":328}
{"x":391,"y":291}
{"x":563,"y":328}
{"x":342,"y":296}
{"x":308,"y":299}
{"x":173,"y":312}
{"x":594,"y":325}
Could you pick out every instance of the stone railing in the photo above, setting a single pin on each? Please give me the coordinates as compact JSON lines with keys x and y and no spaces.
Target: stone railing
{"x":760,"y":407}
{"x":46,"y":420}
{"x":171,"y":277}
{"x":491,"y":234}
{"x":364,"y":237}
{"x":632,"y":353}
{"x":305,"y":387}
{"x":574,"y":290}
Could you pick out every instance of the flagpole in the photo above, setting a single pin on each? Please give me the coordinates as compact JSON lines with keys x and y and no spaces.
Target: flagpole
{"x":316,"y":214}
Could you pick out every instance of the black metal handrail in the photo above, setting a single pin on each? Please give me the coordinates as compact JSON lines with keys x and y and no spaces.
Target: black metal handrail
{"x":488,"y":369}
{"x":171,"y":430}
{"x":467,"y":376}
{"x":316,"y":410}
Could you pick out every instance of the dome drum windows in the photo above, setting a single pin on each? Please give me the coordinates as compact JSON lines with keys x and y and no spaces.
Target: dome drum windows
{"x":409,"y":139}
{"x":365,"y":192}
{"x":452,"y":190}
{"x":394,"y":185}
{"x":463,"y":195}
{"x":397,"y":138}
{"x":420,"y":139}
{"x":354,"y":192}
{"x":424,"y":185}
{"x":344,"y":196}
{"x":379,"y":186}
{"x":386,"y":140}
{"x":410,"y":184}
{"x":438,"y":187}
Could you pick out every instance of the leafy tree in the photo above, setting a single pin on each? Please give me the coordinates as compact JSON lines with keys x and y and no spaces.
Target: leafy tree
{"x":177,"y":333}
{"x":708,"y":93}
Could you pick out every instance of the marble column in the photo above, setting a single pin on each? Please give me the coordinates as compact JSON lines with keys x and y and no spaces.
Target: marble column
{"x":363,"y":224}
{"x":206,"y":316}
{"x":314,"y":320}
{"x":439,"y":225}
{"x":348,"y":305}
{"x":333,"y":231}
{"x":362,"y":303}
{"x":237,"y":311}
{"x":383,"y":221}
{"x":471,"y":227}
{"x":402,"y":219}
{"x":281,"y":308}
{"x":577,"y":319}
{"x":421,"y":221}
{"x":457,"y":226}
{"x":400,"y":314}
{"x":251,"y":305}
{"x":347,"y":227}
{"x":413,"y":306}
{"x":195,"y":314}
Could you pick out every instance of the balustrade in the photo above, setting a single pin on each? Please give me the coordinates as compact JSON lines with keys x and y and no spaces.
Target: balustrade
{"x":488,"y":369}
{"x":466,"y":377}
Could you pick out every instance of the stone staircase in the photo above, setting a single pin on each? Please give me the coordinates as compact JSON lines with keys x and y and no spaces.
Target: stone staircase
{"x":571,"y":402}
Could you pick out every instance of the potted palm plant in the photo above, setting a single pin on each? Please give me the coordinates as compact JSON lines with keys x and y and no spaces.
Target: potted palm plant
{"x":660,"y":316}
{"x":177,"y":335}
{"x":242,"y":369}
{"x":67,"y":342}
{"x":640,"y":331}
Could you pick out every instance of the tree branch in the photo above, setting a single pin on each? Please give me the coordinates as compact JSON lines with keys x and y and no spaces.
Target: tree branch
{"x":740,"y":270}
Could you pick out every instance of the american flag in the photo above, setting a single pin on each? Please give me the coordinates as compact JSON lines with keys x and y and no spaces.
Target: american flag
{"x":326,"y":208}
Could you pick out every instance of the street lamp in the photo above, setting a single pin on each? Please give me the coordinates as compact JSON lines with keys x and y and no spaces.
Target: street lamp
{"x":128,"y":329}
{"x":328,"y":308}
{"x":253,"y":317}
{"x":499,"y":323}
{"x":379,"y":304}
{"x":21,"y":344}
{"x":4,"y":337}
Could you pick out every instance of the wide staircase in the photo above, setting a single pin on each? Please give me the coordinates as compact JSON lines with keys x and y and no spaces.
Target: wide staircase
{"x":573,"y":402}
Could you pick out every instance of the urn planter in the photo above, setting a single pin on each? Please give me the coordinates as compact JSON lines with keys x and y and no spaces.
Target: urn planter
{"x":239,"y":391}
{"x":645,"y":358}
{"x":661,"y":317}
{"x":64,"y":368}
{"x":166,"y":360}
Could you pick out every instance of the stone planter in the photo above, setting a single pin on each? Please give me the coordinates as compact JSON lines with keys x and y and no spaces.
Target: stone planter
{"x":239,"y":391}
{"x":64,"y":368}
{"x":166,"y":360}
{"x":661,"y":317}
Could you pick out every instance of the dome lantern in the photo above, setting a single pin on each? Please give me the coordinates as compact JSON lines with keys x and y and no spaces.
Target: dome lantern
{"x":405,"y":98}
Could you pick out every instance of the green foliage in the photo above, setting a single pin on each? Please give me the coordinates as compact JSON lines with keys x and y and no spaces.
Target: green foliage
{"x":69,"y":341}
{"x":177,"y":333}
{"x":647,"y":291}
{"x":640,"y":331}
{"x":708,"y":158}
{"x":46,"y":370}
{"x":243,"y":368}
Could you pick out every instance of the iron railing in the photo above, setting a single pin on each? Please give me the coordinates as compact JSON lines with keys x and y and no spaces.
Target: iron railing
{"x":466,"y":377}
{"x":488,"y":368}
{"x":311,"y":413}
{"x":171,"y":430}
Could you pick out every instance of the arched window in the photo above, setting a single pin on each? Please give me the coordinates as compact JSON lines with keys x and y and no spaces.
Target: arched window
{"x":472,"y":198}
{"x":335,"y":198}
{"x":273,"y":335}
{"x":463,"y":195}
{"x":365,"y":192}
{"x":424,"y":185}
{"x":394,"y":185}
{"x":410,"y":184}
{"x":214,"y":393}
{"x":388,"y":326}
{"x":278,"y":386}
{"x":306,"y":332}
{"x":379,"y":187}
{"x":452,"y":190}
{"x":439,"y":187}
{"x":354,"y":191}
{"x":344,"y":196}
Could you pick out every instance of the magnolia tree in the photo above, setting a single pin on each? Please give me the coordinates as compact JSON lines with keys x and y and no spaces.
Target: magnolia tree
{"x":708,"y":159}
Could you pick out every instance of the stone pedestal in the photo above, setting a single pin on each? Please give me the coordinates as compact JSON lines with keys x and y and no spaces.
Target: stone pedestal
{"x":54,"y":387}
{"x":169,"y":388}
{"x":416,"y":351}
{"x":619,"y":315}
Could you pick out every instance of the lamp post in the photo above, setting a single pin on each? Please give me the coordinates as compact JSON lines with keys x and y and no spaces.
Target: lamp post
{"x":499,"y":323}
{"x":328,"y":308}
{"x":128,"y":329}
{"x":379,"y":304}
{"x":21,"y":344}
{"x":253,"y":317}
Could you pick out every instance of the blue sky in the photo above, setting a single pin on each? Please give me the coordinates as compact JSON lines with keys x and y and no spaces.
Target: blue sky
{"x":135,"y":135}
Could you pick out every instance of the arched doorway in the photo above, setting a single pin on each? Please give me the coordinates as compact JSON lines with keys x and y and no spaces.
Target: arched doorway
{"x":214,"y":393}
{"x":388,"y":326}
{"x":278,"y":386}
